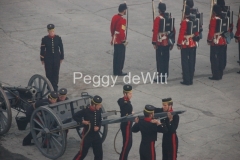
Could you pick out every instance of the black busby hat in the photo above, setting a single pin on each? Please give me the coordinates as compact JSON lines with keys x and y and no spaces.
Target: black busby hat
{"x":190,"y":3}
{"x":127,"y":88}
{"x":122,"y":7}
{"x":50,"y":26}
{"x":187,"y":10}
{"x":62,"y":91}
{"x":162,"y":7}
{"x":97,"y":99}
{"x":53,"y":95}
{"x":166,"y":100}
{"x":217,"y":9}
{"x":221,"y":2}
{"x":149,"y":108}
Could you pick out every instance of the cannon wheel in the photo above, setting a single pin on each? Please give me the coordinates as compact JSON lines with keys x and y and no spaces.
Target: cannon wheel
{"x":42,"y":84}
{"x":5,"y":113}
{"x":51,"y":141}
{"x":103,"y":131}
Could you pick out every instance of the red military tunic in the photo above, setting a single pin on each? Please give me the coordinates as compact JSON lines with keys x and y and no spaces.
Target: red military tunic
{"x":215,"y":39}
{"x":117,"y":28}
{"x":185,"y":41}
{"x":163,"y":40}
{"x":237,"y":34}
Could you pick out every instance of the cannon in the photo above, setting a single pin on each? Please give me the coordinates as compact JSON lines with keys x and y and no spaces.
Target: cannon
{"x":49,"y":123}
{"x":20,"y":98}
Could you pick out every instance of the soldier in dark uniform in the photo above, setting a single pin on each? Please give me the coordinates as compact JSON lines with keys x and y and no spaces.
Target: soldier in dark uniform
{"x":169,"y":139}
{"x":90,"y":117}
{"x":126,"y":109}
{"x":162,"y":45}
{"x":237,"y":38}
{"x":118,"y":28}
{"x":187,"y":44}
{"x":217,"y":44}
{"x":52,"y":55}
{"x":52,"y":98}
{"x":62,"y":95}
{"x":149,"y":128}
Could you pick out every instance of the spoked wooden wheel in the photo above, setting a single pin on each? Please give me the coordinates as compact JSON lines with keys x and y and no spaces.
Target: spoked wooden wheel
{"x":41,"y":84}
{"x":5,"y":113}
{"x":103,"y":130}
{"x":47,"y":134}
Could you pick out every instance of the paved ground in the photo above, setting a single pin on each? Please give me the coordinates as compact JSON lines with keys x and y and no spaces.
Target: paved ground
{"x":208,"y":130}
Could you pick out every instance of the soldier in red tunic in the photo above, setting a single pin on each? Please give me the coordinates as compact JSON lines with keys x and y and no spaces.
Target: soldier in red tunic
{"x":237,"y":37}
{"x":160,"y":41}
{"x":118,"y":28}
{"x":217,"y":45}
{"x":187,"y":46}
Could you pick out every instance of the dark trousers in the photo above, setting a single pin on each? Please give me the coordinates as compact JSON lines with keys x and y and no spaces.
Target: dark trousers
{"x":28,"y":138}
{"x":170,"y":147}
{"x":188,"y":56}
{"x":162,"y":57}
{"x":95,"y":141}
{"x":217,"y":61}
{"x":118,"y":58}
{"x":194,"y":59}
{"x":52,"y":73}
{"x":147,"y":150}
{"x":239,"y":51}
{"x":225,"y":57}
{"x":127,"y":139}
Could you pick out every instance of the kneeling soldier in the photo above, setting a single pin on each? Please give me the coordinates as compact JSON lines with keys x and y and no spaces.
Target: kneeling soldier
{"x":149,"y":128}
{"x":126,"y":109}
{"x":90,"y":117}
{"x":52,"y":98}
{"x":62,"y":95}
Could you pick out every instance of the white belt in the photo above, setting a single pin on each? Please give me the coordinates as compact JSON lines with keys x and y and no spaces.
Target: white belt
{"x":162,"y":36}
{"x":217,"y":36}
{"x":187,"y":39}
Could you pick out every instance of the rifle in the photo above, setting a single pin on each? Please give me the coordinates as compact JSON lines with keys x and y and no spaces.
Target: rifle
{"x":213,"y":2}
{"x":239,"y":13}
{"x":183,"y":10}
{"x":153,"y":10}
{"x":127,"y":22}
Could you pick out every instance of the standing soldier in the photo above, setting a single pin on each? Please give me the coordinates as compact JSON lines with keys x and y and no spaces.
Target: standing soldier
{"x":198,"y":35}
{"x":163,"y":41}
{"x":187,"y":45}
{"x":217,"y":45}
{"x":169,"y":139}
{"x":126,"y":109}
{"x":149,"y":128}
{"x":91,"y":118}
{"x":226,"y":9}
{"x":118,"y":28}
{"x":52,"y":55}
{"x":52,"y":98}
{"x":237,"y":36}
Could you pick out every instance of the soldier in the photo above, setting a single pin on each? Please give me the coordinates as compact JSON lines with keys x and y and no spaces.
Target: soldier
{"x":217,"y":45}
{"x":169,"y":139}
{"x":221,"y":3}
{"x":62,"y":95}
{"x":118,"y":28}
{"x":149,"y":127}
{"x":52,"y":55}
{"x":52,"y":98}
{"x":90,"y":117}
{"x":237,"y":36}
{"x":187,"y":44}
{"x":126,"y":109}
{"x":198,"y":35}
{"x":161,"y":43}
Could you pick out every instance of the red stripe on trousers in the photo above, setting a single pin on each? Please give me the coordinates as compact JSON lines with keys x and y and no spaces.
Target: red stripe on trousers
{"x":127,"y":139}
{"x":80,"y":154}
{"x":152,"y":150}
{"x":174,"y":146}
